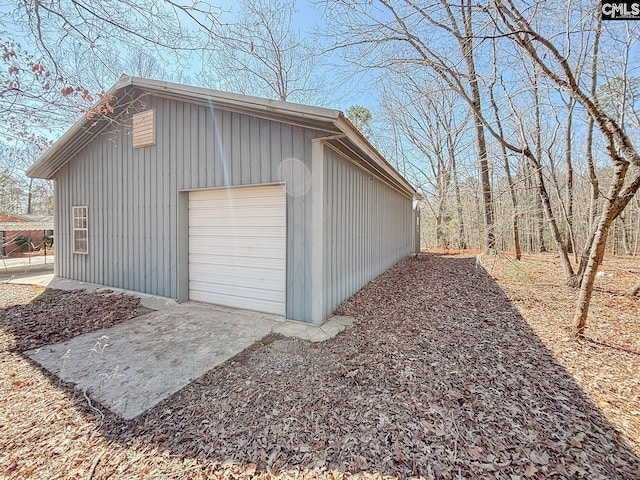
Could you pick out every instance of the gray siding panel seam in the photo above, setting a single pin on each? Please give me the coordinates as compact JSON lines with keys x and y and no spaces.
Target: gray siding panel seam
{"x":317,"y":237}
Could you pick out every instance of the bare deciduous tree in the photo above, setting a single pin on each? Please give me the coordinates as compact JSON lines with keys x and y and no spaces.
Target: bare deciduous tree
{"x":399,"y":34}
{"x":264,"y":54}
{"x":444,"y":36}
{"x":543,"y":53}
{"x":505,"y":160}
{"x":433,"y":123}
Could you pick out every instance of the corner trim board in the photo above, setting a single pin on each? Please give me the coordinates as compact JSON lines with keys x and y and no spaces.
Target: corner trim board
{"x":317,"y":231}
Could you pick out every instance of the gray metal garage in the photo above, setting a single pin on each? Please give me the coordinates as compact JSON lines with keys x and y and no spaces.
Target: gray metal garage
{"x":192,"y":193}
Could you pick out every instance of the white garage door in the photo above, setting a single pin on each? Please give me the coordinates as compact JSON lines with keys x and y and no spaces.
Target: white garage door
{"x":237,"y":247}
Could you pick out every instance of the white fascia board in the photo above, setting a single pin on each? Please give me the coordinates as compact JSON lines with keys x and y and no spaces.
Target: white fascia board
{"x":234,"y":99}
{"x":44,"y":168}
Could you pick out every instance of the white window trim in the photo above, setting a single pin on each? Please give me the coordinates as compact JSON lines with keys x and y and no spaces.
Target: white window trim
{"x":74,"y":229}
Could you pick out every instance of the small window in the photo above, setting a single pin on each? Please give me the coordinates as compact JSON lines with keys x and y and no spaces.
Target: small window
{"x":80,"y":230}
{"x":144,"y":131}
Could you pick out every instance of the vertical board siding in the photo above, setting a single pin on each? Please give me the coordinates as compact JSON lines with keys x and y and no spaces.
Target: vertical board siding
{"x":132,"y":194}
{"x":368,"y":228}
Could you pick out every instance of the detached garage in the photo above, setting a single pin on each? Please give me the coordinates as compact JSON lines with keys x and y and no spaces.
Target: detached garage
{"x":196,"y":194}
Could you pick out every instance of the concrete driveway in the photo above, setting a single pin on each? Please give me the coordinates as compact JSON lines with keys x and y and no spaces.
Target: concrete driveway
{"x":134,"y":365}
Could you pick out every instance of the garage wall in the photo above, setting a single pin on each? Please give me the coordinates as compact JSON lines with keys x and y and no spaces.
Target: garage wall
{"x":132,"y":194}
{"x":368,"y":227}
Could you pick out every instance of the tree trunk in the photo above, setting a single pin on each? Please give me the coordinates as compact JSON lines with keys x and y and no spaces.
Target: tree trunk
{"x":487,"y":200}
{"x":595,"y":188}
{"x":516,"y":236}
{"x":609,"y":213}
{"x":538,"y":146}
{"x":514,"y":204}
{"x":576,"y":279}
{"x":555,"y":231}
{"x":617,"y":204}
{"x":636,"y":235}
{"x":462,"y":241}
{"x":466,"y":44}
{"x":30,"y":197}
{"x":530,"y":188}
{"x":439,"y":235}
{"x":626,"y":245}
{"x":569,"y":186}
{"x":588,"y":279}
{"x":507,"y":170}
{"x":540,"y":246}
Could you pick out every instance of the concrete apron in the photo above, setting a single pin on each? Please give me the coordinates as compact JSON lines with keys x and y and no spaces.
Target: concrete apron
{"x":134,"y":365}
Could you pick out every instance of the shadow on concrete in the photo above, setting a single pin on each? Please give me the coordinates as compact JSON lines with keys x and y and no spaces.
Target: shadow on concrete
{"x":41,"y":276}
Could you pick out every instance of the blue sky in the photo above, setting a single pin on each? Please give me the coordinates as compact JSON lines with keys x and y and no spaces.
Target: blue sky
{"x":343,"y":90}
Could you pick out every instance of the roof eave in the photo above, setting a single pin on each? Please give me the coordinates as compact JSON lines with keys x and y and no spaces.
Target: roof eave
{"x":41,"y":169}
{"x":47,"y":166}
{"x":78,"y":136}
{"x":231,"y":100}
{"x":354,"y":135}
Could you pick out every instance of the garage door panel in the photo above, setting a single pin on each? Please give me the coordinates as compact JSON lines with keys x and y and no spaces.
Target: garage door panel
{"x":207,"y":209}
{"x":264,"y":203}
{"x":236,"y":201}
{"x":260,"y":229}
{"x":238,"y":302}
{"x":267,"y":278}
{"x":215,"y":246}
{"x":229,"y":218}
{"x":271,"y":296}
{"x":272,"y":225}
{"x":228,"y":243}
{"x":237,"y":260}
{"x":237,"y":247}
{"x":253,"y":191}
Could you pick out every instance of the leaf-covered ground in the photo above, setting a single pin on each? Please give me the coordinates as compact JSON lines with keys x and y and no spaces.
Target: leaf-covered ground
{"x":440,"y":376}
{"x":59,"y":315}
{"x":607,"y":364}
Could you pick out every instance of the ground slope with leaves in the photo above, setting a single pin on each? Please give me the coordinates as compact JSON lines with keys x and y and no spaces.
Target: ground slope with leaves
{"x":439,"y":377}
{"x":606,"y":364}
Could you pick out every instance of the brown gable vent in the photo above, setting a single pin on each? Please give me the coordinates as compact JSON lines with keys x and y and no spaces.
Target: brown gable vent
{"x":144,"y":131}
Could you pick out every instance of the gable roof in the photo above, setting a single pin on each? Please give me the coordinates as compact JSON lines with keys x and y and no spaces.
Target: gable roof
{"x":342,"y":135}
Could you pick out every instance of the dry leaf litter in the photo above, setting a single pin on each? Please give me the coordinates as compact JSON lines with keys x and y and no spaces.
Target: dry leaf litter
{"x":440,"y":377}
